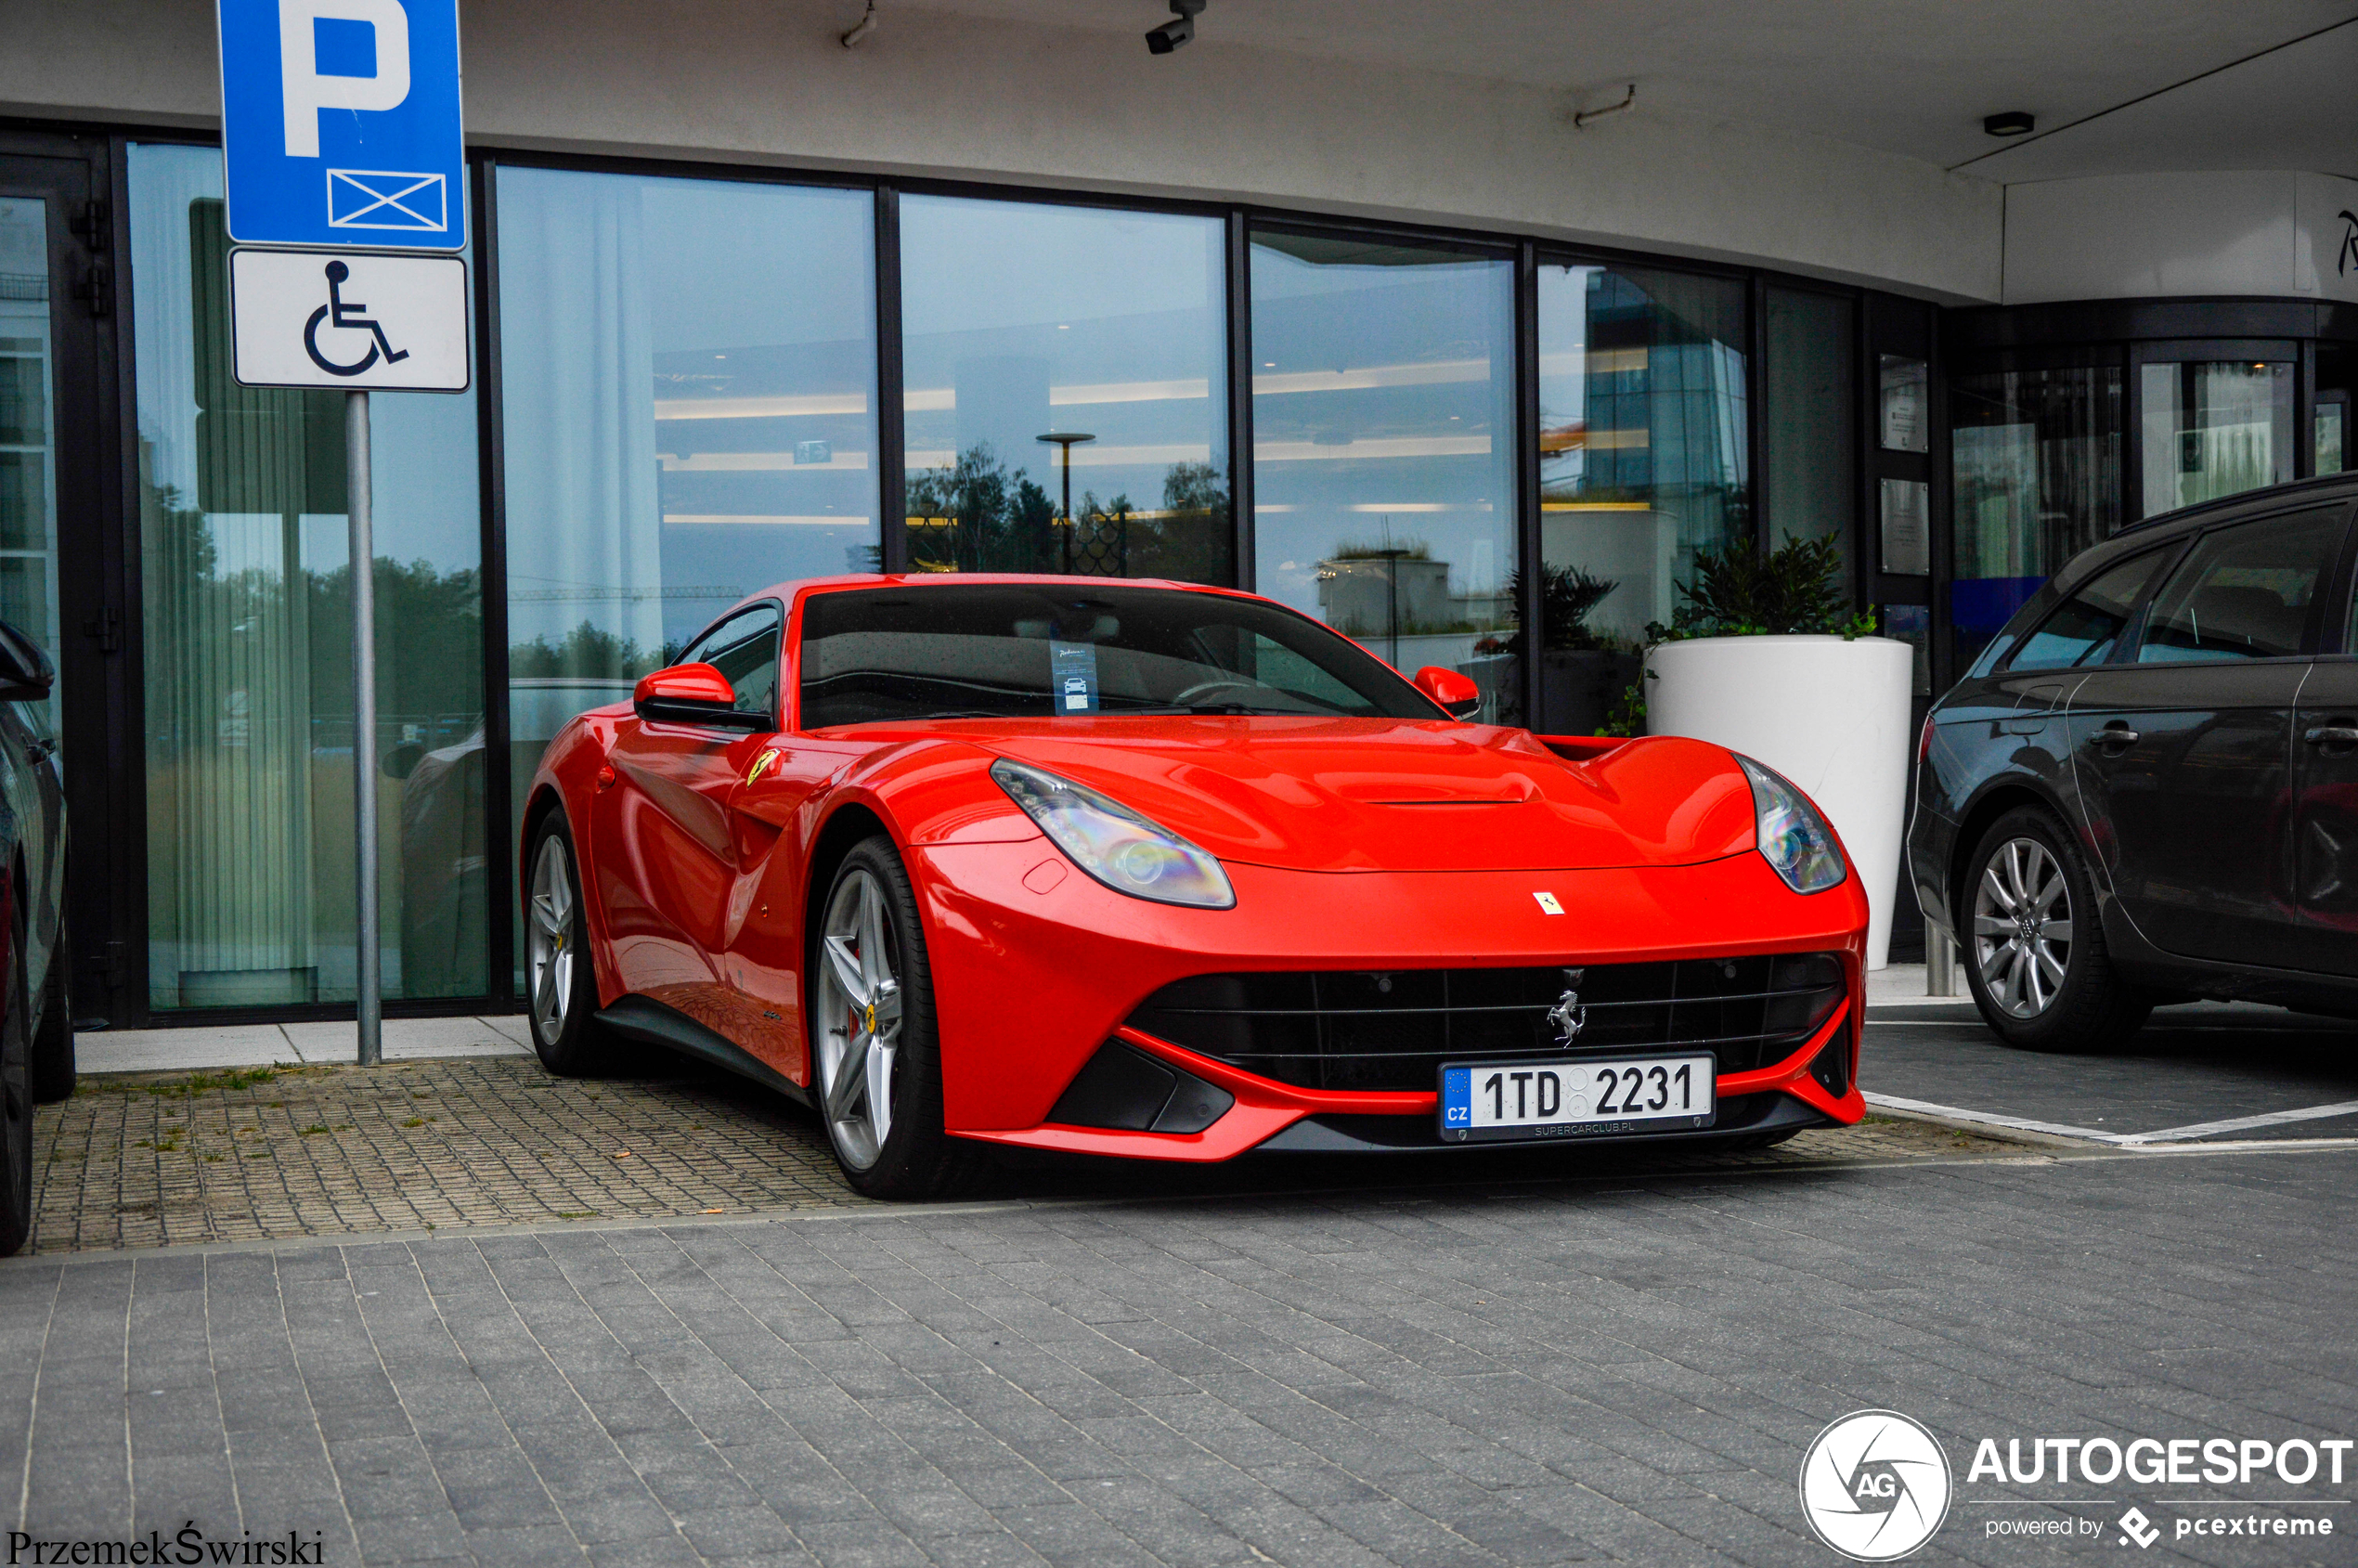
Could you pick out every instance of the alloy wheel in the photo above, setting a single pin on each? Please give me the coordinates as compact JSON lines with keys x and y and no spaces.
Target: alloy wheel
{"x":549,"y":944}
{"x":2022,"y":927}
{"x":859,"y":1017}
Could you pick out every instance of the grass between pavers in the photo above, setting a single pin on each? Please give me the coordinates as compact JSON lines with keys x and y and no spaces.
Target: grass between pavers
{"x":263,"y":1153}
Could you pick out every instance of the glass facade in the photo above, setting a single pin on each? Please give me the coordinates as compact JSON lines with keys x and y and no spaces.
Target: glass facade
{"x":2215,"y":428}
{"x":245,"y":578}
{"x":1644,"y":460}
{"x":1065,"y":390}
{"x":1810,"y":415}
{"x":688,"y":377}
{"x":1384,"y":450}
{"x":2036,"y":460}
{"x":690,"y":398}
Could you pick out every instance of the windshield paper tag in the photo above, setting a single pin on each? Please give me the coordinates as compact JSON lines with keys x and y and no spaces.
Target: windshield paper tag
{"x":1072,"y":675}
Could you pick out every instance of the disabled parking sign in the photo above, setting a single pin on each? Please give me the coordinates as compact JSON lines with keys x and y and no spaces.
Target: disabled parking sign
{"x":353,"y":321}
{"x":340,"y":125}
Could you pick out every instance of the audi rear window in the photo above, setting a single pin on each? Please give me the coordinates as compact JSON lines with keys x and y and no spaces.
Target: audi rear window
{"x":1020,"y":651}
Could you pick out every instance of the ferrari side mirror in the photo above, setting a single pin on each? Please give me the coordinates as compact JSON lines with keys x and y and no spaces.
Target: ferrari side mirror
{"x":1455,"y":692}
{"x":694,"y":694}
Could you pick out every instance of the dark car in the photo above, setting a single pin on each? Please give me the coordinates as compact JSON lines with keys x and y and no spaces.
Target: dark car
{"x":2145,"y":789}
{"x":36,"y":1014}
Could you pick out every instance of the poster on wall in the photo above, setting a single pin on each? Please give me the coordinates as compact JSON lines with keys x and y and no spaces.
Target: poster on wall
{"x":1907,"y":527}
{"x":1904,"y":384}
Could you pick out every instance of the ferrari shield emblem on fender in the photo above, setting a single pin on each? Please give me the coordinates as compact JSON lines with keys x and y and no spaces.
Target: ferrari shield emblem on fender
{"x":1569,"y":1017}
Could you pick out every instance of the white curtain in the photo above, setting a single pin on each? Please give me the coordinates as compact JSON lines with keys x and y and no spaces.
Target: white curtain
{"x":585,"y":525}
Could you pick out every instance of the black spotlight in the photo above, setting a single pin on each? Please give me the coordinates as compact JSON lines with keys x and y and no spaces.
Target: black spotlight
{"x":2013,"y":122}
{"x":1179,"y":29}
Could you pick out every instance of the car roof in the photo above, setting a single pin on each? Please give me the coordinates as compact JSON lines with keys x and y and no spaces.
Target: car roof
{"x":2326,"y":487}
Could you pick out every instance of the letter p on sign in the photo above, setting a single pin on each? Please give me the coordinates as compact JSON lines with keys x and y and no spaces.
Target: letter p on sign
{"x":305,"y":91}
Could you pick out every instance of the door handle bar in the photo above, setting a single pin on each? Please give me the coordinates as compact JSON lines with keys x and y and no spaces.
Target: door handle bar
{"x":2338,"y":734}
{"x":2117,"y":735}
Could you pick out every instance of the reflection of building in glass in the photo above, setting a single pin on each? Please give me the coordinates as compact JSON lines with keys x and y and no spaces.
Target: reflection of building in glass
{"x":1643,"y":443}
{"x":2036,"y":463}
{"x":1020,"y":317}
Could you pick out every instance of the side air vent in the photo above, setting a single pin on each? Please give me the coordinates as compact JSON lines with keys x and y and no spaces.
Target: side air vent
{"x":1126,"y":1089}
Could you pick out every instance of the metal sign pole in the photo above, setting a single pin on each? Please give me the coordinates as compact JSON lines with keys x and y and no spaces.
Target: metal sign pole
{"x":364,"y":724}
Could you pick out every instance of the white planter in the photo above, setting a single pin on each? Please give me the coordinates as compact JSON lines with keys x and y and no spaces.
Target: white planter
{"x":1831,"y":715}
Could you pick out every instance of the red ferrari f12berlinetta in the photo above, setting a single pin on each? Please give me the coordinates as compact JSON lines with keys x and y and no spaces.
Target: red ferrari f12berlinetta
{"x":1172,"y":872}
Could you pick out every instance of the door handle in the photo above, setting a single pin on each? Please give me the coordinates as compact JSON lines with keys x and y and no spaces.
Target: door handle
{"x":2117,"y":733}
{"x":2338,"y":733}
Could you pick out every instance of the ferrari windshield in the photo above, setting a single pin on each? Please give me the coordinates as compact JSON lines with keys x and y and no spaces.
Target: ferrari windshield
{"x":1035,"y":651}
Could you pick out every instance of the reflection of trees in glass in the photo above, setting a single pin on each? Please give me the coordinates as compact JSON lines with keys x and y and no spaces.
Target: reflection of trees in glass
{"x":248,"y":713}
{"x":587,"y":652}
{"x":1566,"y":596}
{"x":975,"y":516}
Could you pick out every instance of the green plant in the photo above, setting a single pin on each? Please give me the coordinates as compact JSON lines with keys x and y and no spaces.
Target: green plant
{"x":1738,"y":592}
{"x":1629,"y":715}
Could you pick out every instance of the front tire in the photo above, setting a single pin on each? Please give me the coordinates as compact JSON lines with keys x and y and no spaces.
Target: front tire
{"x":876,"y":1055}
{"x":561,"y":983}
{"x":53,"y":1064}
{"x":16,"y":1099}
{"x":2035,"y":949}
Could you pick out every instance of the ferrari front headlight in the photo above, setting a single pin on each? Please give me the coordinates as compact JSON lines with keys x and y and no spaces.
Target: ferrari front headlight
{"x":1792,"y":836}
{"x":1113,"y":843}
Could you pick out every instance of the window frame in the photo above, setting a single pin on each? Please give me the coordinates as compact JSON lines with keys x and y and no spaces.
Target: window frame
{"x":769,"y":602}
{"x":2132,"y":624}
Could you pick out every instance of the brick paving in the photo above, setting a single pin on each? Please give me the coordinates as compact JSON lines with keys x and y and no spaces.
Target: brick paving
{"x":1473,"y":1376}
{"x":157,"y":1158}
{"x":160,"y":1159}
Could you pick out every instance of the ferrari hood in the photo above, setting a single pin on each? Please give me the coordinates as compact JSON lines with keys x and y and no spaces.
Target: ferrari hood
{"x":1390,"y":794}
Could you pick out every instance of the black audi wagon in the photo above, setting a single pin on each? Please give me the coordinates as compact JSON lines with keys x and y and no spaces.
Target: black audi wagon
{"x":2145,"y":789}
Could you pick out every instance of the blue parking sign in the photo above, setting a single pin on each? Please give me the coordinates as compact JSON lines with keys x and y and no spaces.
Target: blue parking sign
{"x":340,"y":123}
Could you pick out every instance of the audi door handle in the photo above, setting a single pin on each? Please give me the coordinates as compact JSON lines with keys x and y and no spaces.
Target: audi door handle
{"x":2341,"y":732}
{"x":2118,"y":733}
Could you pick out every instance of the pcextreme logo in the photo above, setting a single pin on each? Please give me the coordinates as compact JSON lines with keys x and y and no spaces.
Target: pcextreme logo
{"x":1875,"y":1486}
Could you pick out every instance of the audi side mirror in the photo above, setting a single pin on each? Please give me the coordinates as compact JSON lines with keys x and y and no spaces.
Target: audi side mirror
{"x":694,"y":694}
{"x":1455,"y":692}
{"x":26,"y":673}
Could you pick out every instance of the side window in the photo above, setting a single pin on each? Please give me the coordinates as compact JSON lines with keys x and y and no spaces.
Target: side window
{"x":2243,"y":592}
{"x":2083,"y":628}
{"x":744,"y":648}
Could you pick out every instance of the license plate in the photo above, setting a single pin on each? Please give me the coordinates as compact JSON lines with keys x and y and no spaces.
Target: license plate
{"x":1576,"y":1099}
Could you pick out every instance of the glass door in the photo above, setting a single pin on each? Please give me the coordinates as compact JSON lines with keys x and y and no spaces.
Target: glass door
{"x":58,"y":562}
{"x":2213,"y":422}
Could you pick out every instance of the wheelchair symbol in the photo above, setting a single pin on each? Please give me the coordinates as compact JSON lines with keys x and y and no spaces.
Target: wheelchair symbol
{"x":346,"y":314}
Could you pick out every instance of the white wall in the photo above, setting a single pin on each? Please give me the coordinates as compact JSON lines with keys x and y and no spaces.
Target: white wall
{"x":2222,"y":232}
{"x":764,"y":81}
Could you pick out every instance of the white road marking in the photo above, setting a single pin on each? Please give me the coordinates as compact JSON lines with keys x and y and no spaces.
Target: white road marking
{"x":2119,"y":1140}
{"x":2239,"y":1124}
{"x":1957,"y":1113}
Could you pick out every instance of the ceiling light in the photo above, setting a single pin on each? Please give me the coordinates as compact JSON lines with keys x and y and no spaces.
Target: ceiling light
{"x":2013,"y":122}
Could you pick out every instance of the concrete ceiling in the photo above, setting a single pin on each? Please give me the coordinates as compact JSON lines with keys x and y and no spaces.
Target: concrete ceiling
{"x":1903,"y":76}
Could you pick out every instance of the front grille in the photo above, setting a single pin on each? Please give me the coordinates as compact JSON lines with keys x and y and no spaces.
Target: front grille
{"x":1393,"y":1029}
